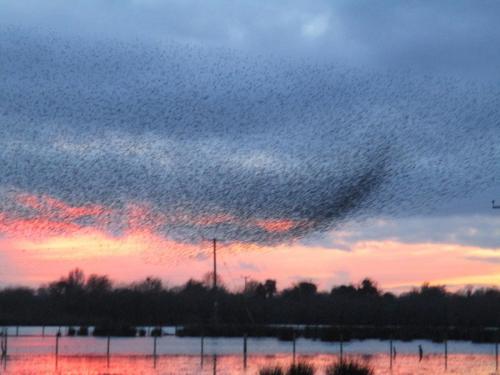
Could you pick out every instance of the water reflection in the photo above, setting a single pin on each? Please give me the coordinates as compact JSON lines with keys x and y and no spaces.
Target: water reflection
{"x":459,"y":364}
{"x":49,"y":354}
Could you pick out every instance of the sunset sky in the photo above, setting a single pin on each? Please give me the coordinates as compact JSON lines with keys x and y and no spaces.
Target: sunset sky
{"x":326,"y":141}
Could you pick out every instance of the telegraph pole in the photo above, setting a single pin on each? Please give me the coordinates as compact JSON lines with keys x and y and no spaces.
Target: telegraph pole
{"x":215,"y":264}
{"x":215,"y":281}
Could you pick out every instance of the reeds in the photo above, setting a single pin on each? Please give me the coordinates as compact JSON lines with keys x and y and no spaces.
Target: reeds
{"x":276,"y":370}
{"x":350,"y":367}
{"x":295,"y":369}
{"x":300,"y":369}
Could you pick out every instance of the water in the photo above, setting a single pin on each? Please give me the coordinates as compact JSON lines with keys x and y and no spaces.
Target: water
{"x":460,"y":364}
{"x":29,"y":353}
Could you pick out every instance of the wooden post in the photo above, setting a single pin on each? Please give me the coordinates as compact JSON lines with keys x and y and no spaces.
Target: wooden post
{"x":341,"y":348}
{"x":245,"y":351}
{"x":202,"y":349}
{"x":58,"y":335}
{"x":496,"y":356}
{"x":215,"y":365}
{"x":390,"y":354}
{"x":294,"y":347}
{"x":154,"y":351}
{"x":4,"y":343}
{"x":445,"y":354}
{"x":108,"y":345}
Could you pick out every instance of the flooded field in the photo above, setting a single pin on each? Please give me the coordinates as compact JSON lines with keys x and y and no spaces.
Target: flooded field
{"x":30,"y":353}
{"x":460,"y":364}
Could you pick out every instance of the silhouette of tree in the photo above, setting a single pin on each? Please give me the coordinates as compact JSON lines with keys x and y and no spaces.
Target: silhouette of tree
{"x":270,"y":288}
{"x":98,"y":284}
{"x":369,"y":288}
{"x":72,"y":299}
{"x":149,"y":285}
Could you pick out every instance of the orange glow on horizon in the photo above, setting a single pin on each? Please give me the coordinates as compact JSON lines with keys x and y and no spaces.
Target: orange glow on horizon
{"x":44,"y":247}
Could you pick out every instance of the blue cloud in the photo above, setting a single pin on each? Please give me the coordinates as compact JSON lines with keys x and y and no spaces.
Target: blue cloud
{"x":218,"y":123}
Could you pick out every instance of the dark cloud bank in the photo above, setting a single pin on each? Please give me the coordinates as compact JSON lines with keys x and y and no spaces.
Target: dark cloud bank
{"x":210,"y":131}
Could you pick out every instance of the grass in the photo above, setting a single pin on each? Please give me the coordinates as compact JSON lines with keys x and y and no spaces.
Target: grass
{"x":298,"y":369}
{"x":276,"y":370}
{"x":349,"y":368}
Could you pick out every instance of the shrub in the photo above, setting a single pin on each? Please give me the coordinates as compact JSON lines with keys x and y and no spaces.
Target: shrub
{"x":349,"y":368}
{"x":300,"y":369}
{"x":157,"y":331}
{"x":120,"y":331}
{"x":83,"y":331}
{"x":271,"y":371}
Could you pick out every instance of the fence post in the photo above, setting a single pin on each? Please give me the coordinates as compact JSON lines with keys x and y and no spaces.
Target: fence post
{"x":341,"y":348}
{"x":4,"y":343}
{"x":445,"y":354}
{"x":58,"y":335}
{"x":202,"y":349}
{"x":390,"y":353}
{"x":496,"y":356}
{"x":154,"y":351}
{"x":245,"y":351}
{"x":293,"y":347}
{"x":108,"y":345}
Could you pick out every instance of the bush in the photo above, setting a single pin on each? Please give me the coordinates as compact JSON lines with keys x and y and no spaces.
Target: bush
{"x":120,"y":331}
{"x":300,"y":369}
{"x":271,"y":371}
{"x":157,"y":331}
{"x":349,"y":368}
{"x":141,"y":332}
{"x":83,"y":331}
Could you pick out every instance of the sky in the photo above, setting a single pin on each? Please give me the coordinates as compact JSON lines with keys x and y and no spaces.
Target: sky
{"x":326,"y":141}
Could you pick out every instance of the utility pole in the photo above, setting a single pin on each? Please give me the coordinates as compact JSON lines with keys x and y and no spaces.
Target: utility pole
{"x":215,"y":265}
{"x":215,"y":281}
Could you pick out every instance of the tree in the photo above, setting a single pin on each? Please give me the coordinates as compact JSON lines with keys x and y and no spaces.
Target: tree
{"x":149,"y":285}
{"x":270,"y":288}
{"x":98,"y":284}
{"x":76,"y":279}
{"x":208,"y":280}
{"x":369,"y":288}
{"x":303,"y":289}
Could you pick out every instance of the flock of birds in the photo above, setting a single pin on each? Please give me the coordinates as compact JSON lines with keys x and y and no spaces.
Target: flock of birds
{"x":255,"y":150}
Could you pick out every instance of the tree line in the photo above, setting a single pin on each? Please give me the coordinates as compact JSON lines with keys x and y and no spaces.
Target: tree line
{"x":95,"y":300}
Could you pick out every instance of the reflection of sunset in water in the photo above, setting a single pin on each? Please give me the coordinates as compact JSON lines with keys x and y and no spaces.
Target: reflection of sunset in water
{"x":460,"y":364}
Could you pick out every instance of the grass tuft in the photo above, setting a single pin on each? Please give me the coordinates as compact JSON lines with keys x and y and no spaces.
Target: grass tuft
{"x":276,"y":370}
{"x":349,"y":368}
